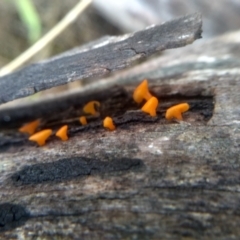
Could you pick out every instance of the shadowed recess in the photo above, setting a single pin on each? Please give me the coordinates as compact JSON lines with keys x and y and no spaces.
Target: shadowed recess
{"x":118,"y":104}
{"x":59,"y":107}
{"x":12,"y":216}
{"x":70,"y":168}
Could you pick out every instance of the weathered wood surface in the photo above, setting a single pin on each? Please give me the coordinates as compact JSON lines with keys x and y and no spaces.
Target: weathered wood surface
{"x":149,"y":179}
{"x":100,"y":59}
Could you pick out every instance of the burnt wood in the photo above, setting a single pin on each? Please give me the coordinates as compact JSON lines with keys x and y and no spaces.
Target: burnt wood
{"x":148,"y":179}
{"x":100,"y":58}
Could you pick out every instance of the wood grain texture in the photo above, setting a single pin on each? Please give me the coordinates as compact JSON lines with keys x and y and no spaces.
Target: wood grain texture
{"x":186,"y":182}
{"x":100,"y":58}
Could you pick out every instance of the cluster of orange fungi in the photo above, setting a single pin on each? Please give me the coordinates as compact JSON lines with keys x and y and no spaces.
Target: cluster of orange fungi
{"x":140,"y":94}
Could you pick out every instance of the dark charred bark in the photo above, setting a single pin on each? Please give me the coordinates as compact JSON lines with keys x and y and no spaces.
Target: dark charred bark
{"x":148,"y":179}
{"x":100,"y":58}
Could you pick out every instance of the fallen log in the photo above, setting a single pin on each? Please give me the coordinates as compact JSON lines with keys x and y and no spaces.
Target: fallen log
{"x":149,"y":179}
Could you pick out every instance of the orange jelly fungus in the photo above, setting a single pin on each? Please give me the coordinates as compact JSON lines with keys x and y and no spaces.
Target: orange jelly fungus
{"x":89,"y":108}
{"x":150,"y":106}
{"x":176,"y":111}
{"x":83,"y":120}
{"x":108,"y":123}
{"x":142,"y":92}
{"x":30,"y":128}
{"x":41,"y":137}
{"x":62,"y":133}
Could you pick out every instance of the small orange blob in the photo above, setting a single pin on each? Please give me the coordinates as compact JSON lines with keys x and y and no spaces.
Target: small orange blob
{"x":108,"y":123}
{"x":30,"y":128}
{"x":83,"y":120}
{"x":62,"y":133}
{"x":150,"y":106}
{"x":142,"y":92}
{"x":89,"y":108}
{"x":41,"y":137}
{"x":176,"y":111}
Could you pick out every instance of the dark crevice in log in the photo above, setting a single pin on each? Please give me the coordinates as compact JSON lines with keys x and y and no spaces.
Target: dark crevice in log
{"x":118,"y":104}
{"x":56,"y":108}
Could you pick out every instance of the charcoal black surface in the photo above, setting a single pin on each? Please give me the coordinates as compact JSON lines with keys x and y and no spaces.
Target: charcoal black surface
{"x":12,"y":216}
{"x":70,"y":168}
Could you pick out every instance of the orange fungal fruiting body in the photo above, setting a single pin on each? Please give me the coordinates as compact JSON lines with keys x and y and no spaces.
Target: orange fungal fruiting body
{"x":108,"y":123}
{"x":142,"y":92}
{"x":62,"y":133}
{"x":150,"y":106}
{"x":41,"y":137}
{"x":89,"y":108}
{"x":83,"y":120}
{"x":176,"y":111}
{"x":30,"y":128}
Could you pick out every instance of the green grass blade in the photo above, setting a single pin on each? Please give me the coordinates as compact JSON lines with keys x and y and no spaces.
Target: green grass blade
{"x":30,"y":18}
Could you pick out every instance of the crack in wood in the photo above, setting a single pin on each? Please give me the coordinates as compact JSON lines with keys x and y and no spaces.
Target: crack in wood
{"x":118,"y":104}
